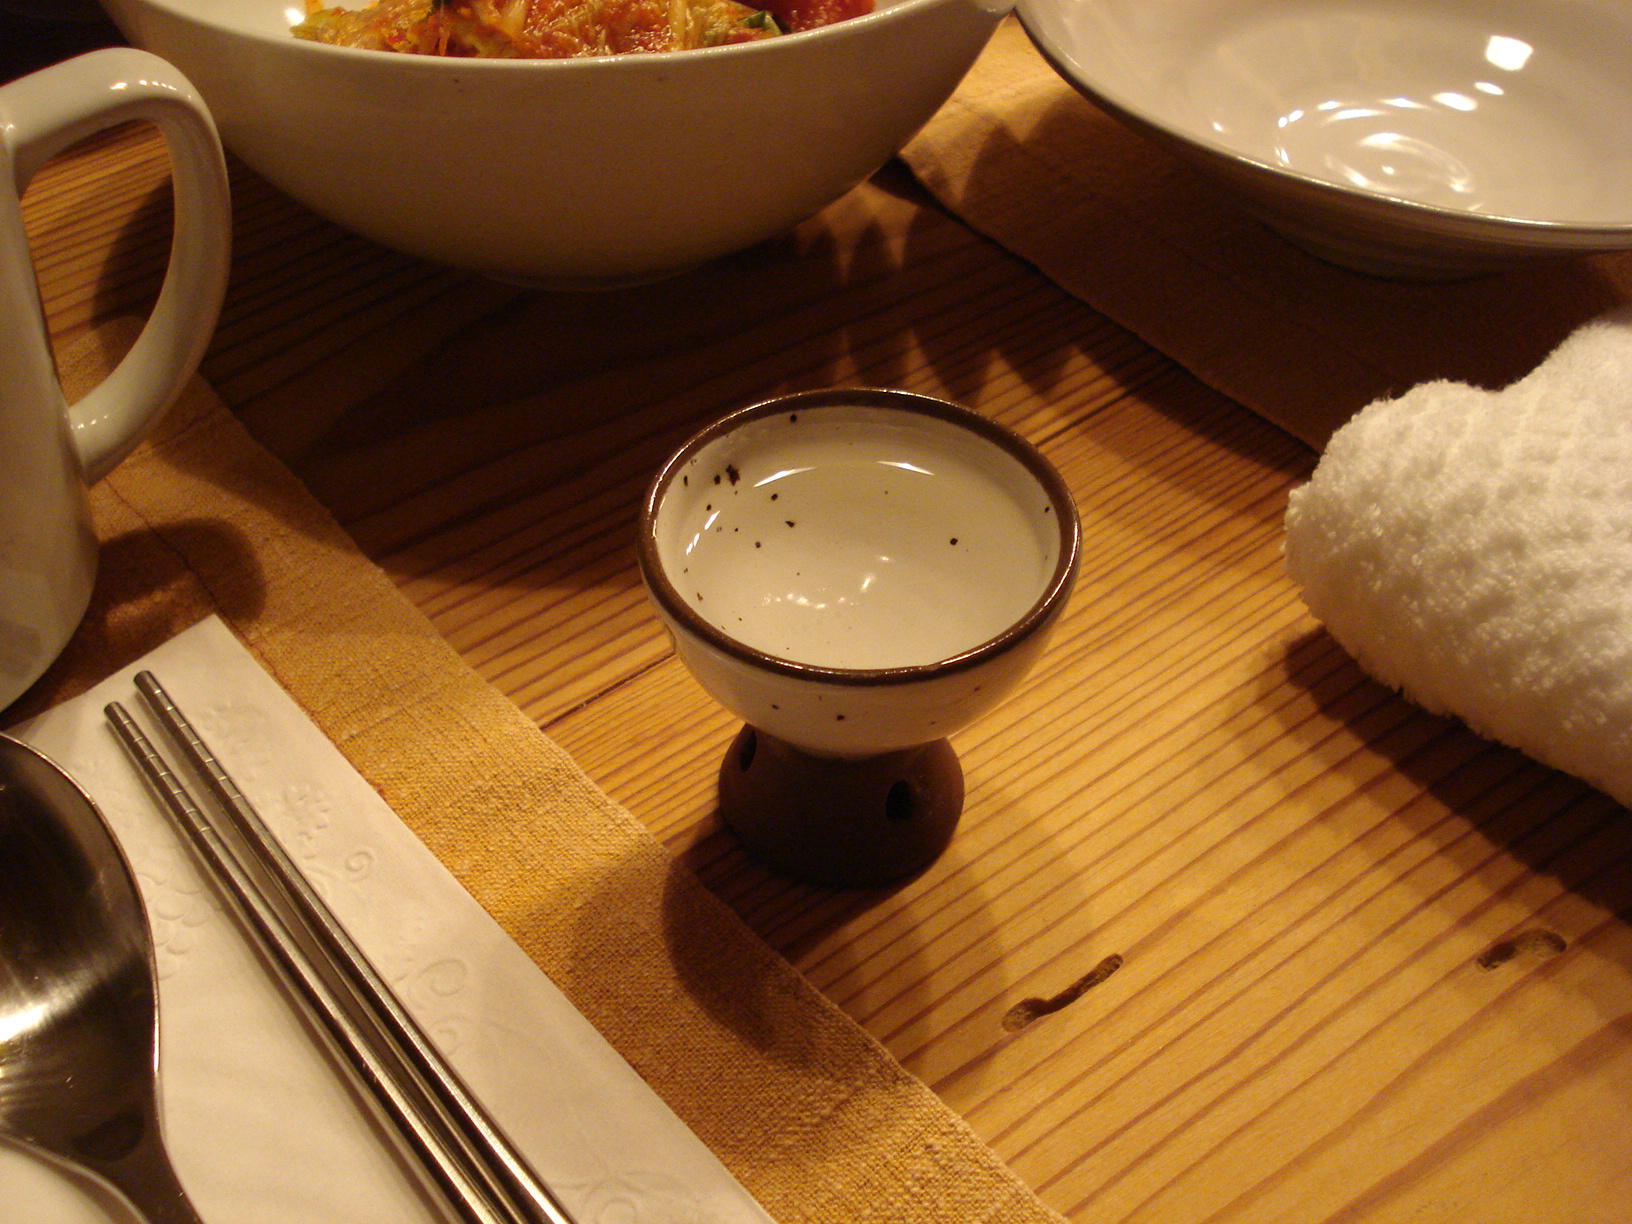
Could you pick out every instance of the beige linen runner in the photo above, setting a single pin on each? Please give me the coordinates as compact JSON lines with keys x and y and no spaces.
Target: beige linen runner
{"x":1118,"y":222}
{"x":810,"y":1113}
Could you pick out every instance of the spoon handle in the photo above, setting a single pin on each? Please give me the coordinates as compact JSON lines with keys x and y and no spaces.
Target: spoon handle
{"x":145,"y":1178}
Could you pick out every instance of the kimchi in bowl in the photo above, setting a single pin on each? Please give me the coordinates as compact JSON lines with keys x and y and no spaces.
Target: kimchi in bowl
{"x":586,"y":171}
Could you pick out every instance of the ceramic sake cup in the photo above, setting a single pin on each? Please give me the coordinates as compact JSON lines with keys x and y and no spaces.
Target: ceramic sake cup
{"x":856,"y":574}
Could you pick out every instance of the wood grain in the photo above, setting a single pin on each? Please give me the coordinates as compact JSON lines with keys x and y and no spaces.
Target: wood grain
{"x":1302,"y":873}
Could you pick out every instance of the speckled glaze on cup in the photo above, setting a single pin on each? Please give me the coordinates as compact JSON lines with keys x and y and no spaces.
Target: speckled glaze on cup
{"x":858,"y":571}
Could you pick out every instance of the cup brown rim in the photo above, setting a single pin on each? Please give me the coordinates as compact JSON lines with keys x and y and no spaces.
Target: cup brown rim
{"x":1039,"y":614}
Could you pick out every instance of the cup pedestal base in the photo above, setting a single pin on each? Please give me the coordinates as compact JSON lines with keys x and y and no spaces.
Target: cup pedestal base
{"x":844,"y":823}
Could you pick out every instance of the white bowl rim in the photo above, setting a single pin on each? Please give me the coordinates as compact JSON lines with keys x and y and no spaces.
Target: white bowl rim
{"x":889,"y":13}
{"x":1041,"y":613}
{"x":1451,"y":218}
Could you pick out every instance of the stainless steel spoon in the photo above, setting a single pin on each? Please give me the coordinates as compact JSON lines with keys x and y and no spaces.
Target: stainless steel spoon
{"x":78,"y":1012}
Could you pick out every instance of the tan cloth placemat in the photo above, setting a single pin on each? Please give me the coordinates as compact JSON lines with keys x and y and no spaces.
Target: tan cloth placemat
{"x":810,"y":1113}
{"x":1111,"y":218}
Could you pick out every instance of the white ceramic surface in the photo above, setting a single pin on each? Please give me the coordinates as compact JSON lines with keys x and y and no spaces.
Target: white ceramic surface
{"x":568,"y":172}
{"x":859,"y":571}
{"x":1422,"y":138}
{"x":49,"y":453}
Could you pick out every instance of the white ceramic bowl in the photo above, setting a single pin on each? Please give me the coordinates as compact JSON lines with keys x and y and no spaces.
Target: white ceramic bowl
{"x":567,"y":172}
{"x":1417,"y":138}
{"x":858,"y":571}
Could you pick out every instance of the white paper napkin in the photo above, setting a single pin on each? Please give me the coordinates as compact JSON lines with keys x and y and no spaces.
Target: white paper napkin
{"x":262,"y":1127}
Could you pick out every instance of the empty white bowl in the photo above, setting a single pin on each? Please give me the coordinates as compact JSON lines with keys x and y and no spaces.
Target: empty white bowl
{"x":567,"y":172}
{"x":856,"y":572}
{"x":1414,"y":138}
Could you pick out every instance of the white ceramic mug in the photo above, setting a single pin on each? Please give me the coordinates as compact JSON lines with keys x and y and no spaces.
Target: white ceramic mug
{"x":49,"y":453}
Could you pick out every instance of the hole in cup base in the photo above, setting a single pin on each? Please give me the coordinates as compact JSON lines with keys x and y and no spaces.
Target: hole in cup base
{"x":900,"y":803}
{"x":844,"y":823}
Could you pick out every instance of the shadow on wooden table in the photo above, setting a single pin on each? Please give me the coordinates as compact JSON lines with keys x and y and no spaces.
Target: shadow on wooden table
{"x":144,"y":596}
{"x":488,"y":445}
{"x":1527,"y":843}
{"x":412,"y":399}
{"x":1473,"y":943}
{"x":892,"y":925}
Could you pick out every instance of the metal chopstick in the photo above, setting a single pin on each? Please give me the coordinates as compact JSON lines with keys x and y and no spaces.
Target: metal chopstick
{"x":373,"y":1073}
{"x":465,"y":1153}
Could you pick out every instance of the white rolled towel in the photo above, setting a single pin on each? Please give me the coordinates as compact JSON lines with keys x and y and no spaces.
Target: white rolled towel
{"x":1473,"y":549}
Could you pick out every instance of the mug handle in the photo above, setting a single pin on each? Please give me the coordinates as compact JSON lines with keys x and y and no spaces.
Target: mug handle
{"x":69,"y":101}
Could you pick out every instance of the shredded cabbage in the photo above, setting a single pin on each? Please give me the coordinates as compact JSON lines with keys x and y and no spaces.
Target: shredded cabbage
{"x":559,"y":29}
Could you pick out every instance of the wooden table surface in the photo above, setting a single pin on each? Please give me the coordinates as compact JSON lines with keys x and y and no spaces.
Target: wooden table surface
{"x":1373,"y":967}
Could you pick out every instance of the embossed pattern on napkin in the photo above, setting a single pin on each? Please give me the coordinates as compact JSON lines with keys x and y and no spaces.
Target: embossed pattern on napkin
{"x":1474,"y":550}
{"x":261,"y":1124}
